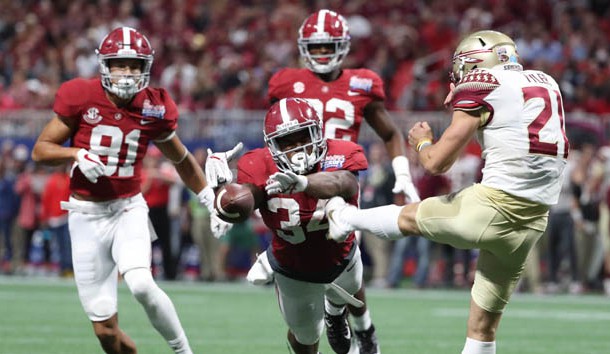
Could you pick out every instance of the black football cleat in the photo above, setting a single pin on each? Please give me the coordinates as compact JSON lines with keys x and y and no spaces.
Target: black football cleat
{"x":367,"y":341}
{"x":338,"y":332}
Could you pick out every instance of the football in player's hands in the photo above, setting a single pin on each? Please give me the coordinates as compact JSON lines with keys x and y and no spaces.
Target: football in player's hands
{"x":234,"y":202}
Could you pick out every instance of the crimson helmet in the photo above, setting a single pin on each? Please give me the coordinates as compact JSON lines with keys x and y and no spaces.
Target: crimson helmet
{"x":324,"y":27}
{"x":125,"y":43}
{"x":291,"y":116}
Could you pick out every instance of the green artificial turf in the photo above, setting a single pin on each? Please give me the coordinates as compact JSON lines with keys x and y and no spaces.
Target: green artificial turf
{"x":40,"y":315}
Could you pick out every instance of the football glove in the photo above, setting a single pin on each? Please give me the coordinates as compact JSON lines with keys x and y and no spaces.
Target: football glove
{"x":219,"y":227}
{"x":217,"y":169}
{"x":206,"y":197}
{"x":285,"y":182}
{"x":404,"y":184}
{"x":90,"y":165}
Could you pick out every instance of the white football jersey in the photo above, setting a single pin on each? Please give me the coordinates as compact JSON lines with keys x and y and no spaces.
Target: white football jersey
{"x":523,"y":137}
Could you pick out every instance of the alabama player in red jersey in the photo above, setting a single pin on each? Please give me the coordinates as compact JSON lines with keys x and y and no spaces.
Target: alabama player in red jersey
{"x":291,"y":180}
{"x":110,"y":122}
{"x":343,"y":98}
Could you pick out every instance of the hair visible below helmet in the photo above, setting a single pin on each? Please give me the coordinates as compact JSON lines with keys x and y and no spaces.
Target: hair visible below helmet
{"x":484,"y":49}
{"x":324,"y":27}
{"x":125,"y":43}
{"x":289,"y":116}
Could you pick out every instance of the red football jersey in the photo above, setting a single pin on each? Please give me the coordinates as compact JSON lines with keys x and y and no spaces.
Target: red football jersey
{"x":119,"y":135}
{"x":298,"y":221}
{"x":340,"y":103}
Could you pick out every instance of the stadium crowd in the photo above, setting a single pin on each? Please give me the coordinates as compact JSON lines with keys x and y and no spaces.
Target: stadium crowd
{"x":220,"y":54}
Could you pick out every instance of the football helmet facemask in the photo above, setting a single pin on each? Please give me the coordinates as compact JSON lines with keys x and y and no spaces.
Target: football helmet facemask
{"x":484,"y":49}
{"x":125,"y":43}
{"x":324,"y":27}
{"x":293,"y":134}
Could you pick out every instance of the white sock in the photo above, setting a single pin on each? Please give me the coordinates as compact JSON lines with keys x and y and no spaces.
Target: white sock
{"x":180,"y":345}
{"x":333,"y":309}
{"x":363,"y":322}
{"x":158,"y":307}
{"x":473,"y":346}
{"x":381,"y":221}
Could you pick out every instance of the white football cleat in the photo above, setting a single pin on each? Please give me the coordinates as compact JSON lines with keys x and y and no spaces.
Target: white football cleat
{"x":338,"y":230}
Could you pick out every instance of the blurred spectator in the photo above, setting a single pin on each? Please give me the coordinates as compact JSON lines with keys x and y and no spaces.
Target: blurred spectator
{"x":376,"y":190}
{"x":9,"y":206}
{"x":560,"y":234}
{"x":428,"y":186}
{"x":30,"y":184}
{"x":586,"y":179}
{"x":179,"y":78}
{"x":238,"y":250}
{"x":156,"y":183}
{"x":56,"y":190}
{"x":210,"y":266}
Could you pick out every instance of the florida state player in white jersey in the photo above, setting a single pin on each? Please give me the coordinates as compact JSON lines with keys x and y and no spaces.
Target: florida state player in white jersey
{"x":518,"y":117}
{"x":344,"y":98}
{"x":110,"y":122}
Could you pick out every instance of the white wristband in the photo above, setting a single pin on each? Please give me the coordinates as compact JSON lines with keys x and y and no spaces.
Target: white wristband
{"x":303,"y":183}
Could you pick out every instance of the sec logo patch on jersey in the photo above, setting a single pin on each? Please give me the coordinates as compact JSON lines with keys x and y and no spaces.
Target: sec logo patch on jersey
{"x":92,"y":116}
{"x":298,"y":87}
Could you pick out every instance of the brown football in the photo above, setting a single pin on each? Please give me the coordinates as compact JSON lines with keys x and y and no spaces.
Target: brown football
{"x":234,"y":202}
